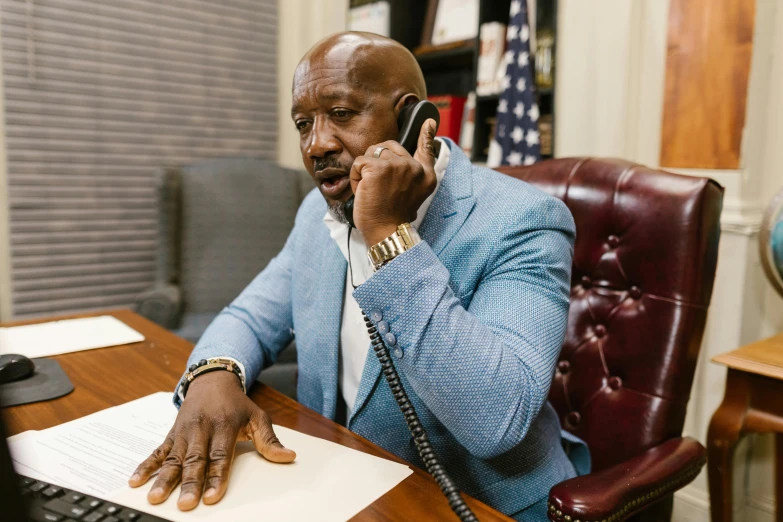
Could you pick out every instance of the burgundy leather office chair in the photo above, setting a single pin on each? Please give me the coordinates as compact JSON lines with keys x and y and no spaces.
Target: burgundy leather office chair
{"x":644,"y":265}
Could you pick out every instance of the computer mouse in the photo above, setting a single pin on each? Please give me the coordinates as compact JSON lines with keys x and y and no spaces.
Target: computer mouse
{"x":14,"y":367}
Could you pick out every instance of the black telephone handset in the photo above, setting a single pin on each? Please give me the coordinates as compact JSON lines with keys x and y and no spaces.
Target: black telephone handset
{"x":410,"y":121}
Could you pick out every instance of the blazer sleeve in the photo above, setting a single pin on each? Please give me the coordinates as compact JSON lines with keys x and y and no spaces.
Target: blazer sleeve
{"x":257,"y":325}
{"x":484,"y":371}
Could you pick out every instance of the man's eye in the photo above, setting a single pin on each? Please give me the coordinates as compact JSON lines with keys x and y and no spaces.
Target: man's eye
{"x":301,"y":124}
{"x":340,"y":113}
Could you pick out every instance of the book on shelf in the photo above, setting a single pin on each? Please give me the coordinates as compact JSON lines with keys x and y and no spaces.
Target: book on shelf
{"x":491,"y":58}
{"x":468,"y":125}
{"x":451,"y":109}
{"x":545,"y":132}
{"x":545,"y":59}
{"x":491,"y":122}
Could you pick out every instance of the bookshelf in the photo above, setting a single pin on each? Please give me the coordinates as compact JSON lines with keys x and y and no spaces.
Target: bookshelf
{"x":452,"y":68}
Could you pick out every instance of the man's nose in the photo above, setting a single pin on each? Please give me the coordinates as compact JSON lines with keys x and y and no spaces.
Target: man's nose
{"x":323,"y":141}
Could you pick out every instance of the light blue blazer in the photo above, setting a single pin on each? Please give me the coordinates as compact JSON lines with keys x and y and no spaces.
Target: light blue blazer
{"x":479,"y":312}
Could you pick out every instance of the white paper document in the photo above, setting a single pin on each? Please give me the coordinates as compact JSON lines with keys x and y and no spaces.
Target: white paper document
{"x":96,"y":454}
{"x":455,"y":20}
{"x":69,"y":335}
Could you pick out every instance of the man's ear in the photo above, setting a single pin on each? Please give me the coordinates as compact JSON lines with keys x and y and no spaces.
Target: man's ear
{"x":404,"y":101}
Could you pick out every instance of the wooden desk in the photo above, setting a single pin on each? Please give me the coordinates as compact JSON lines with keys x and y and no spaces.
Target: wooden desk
{"x":753,"y":403}
{"x":113,"y":376}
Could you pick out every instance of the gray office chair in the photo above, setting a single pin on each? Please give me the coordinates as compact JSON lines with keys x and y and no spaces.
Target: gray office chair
{"x":221,"y":221}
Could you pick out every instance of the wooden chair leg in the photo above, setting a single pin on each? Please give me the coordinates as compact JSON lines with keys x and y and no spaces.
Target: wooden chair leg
{"x":724,"y":433}
{"x":779,"y":477}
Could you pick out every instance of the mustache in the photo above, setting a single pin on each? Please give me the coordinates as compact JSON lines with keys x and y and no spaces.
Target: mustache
{"x":329,"y":162}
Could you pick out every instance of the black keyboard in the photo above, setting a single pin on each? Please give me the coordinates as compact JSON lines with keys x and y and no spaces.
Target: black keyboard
{"x":50,"y":503}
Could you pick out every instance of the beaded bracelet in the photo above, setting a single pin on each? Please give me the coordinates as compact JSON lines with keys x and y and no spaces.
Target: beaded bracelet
{"x":210,"y":365}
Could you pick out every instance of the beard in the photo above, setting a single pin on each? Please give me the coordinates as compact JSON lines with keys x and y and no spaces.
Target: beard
{"x":337,"y":211}
{"x":336,"y":208}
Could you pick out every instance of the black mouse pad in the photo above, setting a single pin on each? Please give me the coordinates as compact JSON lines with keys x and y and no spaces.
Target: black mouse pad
{"x":48,"y":382}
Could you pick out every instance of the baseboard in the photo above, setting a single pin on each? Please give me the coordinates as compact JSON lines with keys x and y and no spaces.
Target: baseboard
{"x":693,"y":505}
{"x":759,"y":509}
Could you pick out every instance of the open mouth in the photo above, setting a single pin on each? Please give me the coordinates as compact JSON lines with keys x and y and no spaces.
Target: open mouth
{"x":333,"y":181}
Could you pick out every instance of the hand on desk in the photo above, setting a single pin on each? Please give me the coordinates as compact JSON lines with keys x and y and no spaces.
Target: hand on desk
{"x":199,"y":449}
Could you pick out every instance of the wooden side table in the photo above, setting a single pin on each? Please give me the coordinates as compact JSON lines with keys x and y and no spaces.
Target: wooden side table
{"x":753,"y":403}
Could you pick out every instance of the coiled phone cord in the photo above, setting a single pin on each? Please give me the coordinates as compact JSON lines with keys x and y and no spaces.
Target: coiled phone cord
{"x":427,"y":454}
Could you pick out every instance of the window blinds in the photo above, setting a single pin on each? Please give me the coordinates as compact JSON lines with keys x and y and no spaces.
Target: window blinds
{"x":100,"y":96}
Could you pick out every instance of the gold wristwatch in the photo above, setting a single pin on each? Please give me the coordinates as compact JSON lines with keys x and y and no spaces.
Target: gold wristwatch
{"x":405,"y":238}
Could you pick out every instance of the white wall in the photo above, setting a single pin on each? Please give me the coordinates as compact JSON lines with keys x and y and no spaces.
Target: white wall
{"x":301,"y":24}
{"x":611,"y":71}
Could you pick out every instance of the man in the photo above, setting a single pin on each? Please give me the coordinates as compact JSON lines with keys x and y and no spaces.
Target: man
{"x":474,"y":315}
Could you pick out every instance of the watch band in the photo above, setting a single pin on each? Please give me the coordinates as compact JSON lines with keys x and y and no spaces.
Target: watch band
{"x":210,"y":365}
{"x":404,"y":238}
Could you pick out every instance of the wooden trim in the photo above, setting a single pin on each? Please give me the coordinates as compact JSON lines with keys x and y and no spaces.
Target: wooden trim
{"x":710,"y":43}
{"x":429,"y":23}
{"x":425,"y":51}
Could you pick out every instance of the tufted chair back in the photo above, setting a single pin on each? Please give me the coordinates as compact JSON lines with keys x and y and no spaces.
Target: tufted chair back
{"x":644,"y":264}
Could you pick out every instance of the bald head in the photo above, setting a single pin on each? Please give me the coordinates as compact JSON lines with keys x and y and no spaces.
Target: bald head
{"x":374,"y":62}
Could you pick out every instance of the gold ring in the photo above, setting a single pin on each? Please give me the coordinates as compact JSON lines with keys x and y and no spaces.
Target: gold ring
{"x":378,"y":151}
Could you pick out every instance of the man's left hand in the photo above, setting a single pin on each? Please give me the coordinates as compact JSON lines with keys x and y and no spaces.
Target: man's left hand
{"x":390,"y":189}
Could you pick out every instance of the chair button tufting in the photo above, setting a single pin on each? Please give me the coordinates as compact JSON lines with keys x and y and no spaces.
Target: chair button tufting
{"x":615,"y":383}
{"x":600,"y":331}
{"x":586,"y":282}
{"x":563,"y":366}
{"x":613,"y":241}
{"x":635,"y":292}
{"x":573,"y":418}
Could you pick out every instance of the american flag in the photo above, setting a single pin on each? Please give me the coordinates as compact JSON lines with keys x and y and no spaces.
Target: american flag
{"x":516,"y":132}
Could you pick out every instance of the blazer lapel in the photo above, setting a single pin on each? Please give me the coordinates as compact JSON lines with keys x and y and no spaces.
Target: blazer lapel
{"x":449,"y":209}
{"x":452,"y":203}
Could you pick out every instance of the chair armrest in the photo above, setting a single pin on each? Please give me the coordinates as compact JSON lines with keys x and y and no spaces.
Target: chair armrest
{"x":161,"y":304}
{"x":615,"y":493}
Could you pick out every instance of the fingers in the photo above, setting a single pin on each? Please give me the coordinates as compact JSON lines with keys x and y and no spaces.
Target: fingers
{"x":359,"y":164}
{"x":221,"y":455}
{"x":170,"y":473}
{"x":152,"y":463}
{"x":425,"y":150}
{"x":393,"y":147}
{"x":266,"y":442}
{"x":194,"y":468}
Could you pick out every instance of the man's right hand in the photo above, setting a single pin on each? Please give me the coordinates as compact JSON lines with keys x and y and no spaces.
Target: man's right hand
{"x":199,"y":449}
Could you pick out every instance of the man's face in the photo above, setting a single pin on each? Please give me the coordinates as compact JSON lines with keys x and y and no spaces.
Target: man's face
{"x":339,"y":113}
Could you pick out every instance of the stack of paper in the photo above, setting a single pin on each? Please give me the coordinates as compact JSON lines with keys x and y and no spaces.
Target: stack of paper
{"x":69,"y":335}
{"x":96,"y":455}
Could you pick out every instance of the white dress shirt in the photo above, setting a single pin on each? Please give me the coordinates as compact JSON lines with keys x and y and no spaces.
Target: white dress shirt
{"x":354,"y":339}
